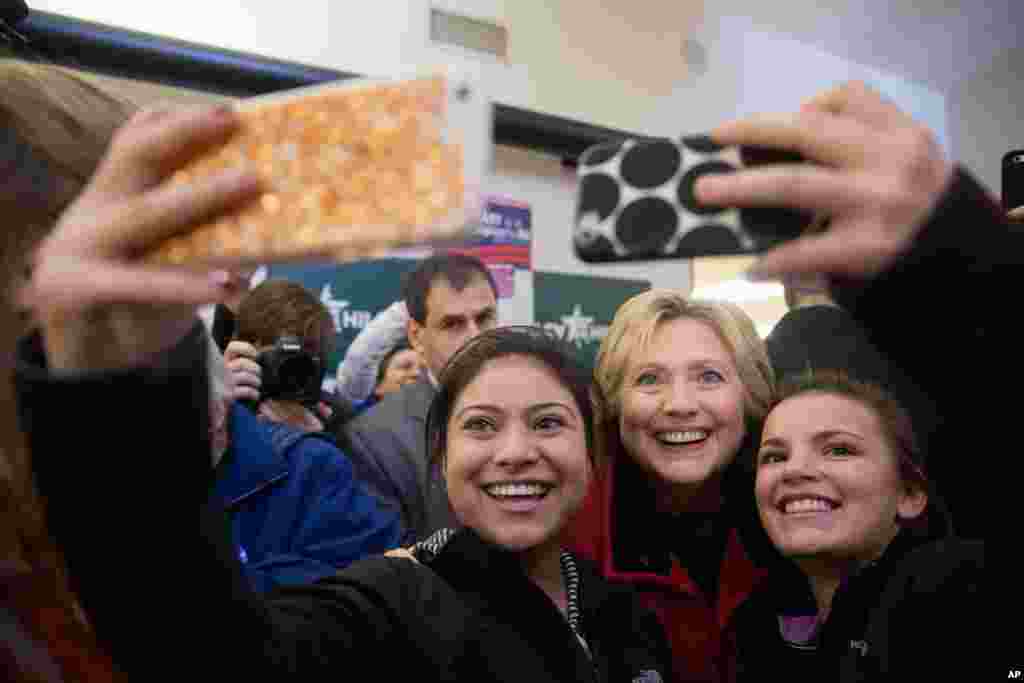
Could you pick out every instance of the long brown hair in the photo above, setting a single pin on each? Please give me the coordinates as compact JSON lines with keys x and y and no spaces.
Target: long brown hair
{"x":54,"y":129}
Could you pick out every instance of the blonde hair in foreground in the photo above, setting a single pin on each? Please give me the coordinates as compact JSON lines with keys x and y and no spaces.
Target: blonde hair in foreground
{"x":55,"y":128}
{"x":638,"y":319}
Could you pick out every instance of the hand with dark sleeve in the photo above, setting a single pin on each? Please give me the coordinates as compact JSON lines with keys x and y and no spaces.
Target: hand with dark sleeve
{"x":121,"y":344}
{"x":126,"y":469}
{"x":874,"y":172}
{"x":917,"y":251}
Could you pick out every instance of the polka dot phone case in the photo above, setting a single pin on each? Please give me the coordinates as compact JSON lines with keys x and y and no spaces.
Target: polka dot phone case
{"x":636,"y":202}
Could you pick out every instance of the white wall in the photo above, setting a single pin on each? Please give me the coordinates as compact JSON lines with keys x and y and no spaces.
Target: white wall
{"x":777,"y":73}
{"x":750,"y":68}
{"x":987,"y":115}
{"x":636,"y":78}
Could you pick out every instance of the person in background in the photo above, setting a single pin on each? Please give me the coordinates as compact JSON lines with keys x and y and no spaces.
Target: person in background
{"x":358,"y":373}
{"x":275,"y":310}
{"x":399,"y":367}
{"x":363,"y":371}
{"x":817,"y":334}
{"x":402,"y":366}
{"x":296,"y":511}
{"x":223,"y":323}
{"x":450,"y":298}
{"x":54,"y":129}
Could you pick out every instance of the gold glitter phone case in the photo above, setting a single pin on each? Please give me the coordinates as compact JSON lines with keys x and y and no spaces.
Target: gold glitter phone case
{"x":352,"y":169}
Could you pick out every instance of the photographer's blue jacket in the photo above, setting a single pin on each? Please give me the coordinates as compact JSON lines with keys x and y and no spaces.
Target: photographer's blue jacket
{"x":297,"y":512}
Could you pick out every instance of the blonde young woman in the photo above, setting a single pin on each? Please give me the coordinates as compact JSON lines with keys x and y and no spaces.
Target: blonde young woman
{"x":683,"y":387}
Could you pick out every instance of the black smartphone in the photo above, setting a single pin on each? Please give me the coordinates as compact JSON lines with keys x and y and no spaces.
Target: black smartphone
{"x":635,"y":202}
{"x":1013,"y":179}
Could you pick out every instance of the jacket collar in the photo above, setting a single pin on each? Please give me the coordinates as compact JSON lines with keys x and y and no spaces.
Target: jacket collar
{"x":789,"y":590}
{"x":467,"y":561}
{"x":255,"y":458}
{"x":472,"y":565}
{"x":492,"y":579}
{"x":638,"y":550}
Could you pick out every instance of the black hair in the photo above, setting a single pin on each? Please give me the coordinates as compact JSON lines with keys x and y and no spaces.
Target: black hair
{"x":518,"y":340}
{"x":458,"y":269}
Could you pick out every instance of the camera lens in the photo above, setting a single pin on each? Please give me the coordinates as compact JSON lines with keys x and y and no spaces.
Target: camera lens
{"x":296,"y":373}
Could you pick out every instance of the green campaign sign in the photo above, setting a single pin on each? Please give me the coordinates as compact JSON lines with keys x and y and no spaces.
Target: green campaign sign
{"x":579,"y":308}
{"x":352,"y":292}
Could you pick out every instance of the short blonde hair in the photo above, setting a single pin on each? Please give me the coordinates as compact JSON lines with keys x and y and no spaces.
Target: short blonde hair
{"x":639,"y":318}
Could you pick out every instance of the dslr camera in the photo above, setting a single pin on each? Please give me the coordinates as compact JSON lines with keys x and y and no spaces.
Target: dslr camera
{"x":290,"y":372}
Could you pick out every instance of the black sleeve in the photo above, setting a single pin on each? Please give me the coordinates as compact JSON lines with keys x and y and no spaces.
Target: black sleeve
{"x":384,"y":615}
{"x":940,"y":314}
{"x":935,"y":616}
{"x":223,"y":328}
{"x":122,"y":459}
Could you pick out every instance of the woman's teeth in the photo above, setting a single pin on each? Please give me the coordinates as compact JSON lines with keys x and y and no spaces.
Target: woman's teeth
{"x":689,"y":436}
{"x":807,"y":505}
{"x":513,"y":490}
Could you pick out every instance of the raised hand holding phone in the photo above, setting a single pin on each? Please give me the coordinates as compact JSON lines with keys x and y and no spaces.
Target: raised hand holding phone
{"x":636,"y":202}
{"x":878,"y":177}
{"x":352,"y":169}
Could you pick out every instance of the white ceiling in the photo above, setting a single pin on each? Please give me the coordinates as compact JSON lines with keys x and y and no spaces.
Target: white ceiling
{"x":935,"y":42}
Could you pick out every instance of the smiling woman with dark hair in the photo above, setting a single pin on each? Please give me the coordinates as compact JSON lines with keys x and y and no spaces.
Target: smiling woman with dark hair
{"x":500,"y":598}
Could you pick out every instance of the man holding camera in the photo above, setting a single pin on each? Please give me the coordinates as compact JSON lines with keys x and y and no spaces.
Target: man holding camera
{"x":297,"y":511}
